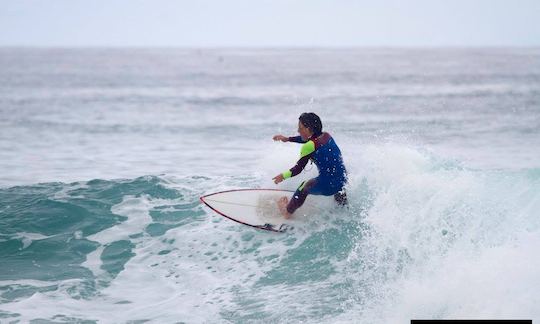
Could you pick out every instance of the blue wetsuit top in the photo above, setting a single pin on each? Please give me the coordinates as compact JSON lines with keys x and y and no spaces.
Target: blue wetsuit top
{"x":325,"y":153}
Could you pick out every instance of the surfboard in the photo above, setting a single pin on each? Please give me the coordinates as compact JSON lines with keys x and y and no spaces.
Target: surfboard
{"x":252,"y":207}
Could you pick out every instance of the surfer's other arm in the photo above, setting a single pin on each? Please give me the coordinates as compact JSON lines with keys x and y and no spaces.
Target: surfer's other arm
{"x":305,"y":154}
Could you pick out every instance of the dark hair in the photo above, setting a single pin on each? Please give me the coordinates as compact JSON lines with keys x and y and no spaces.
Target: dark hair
{"x":312,"y":121}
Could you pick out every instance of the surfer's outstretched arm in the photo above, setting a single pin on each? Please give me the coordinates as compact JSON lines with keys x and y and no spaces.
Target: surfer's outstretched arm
{"x":280,"y":138}
{"x":294,"y":139}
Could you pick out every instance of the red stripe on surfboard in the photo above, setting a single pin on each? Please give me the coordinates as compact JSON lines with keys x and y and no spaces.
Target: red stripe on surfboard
{"x":229,"y":217}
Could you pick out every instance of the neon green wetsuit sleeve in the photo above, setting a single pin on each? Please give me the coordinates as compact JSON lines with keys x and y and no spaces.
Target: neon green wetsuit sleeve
{"x":307,"y":148}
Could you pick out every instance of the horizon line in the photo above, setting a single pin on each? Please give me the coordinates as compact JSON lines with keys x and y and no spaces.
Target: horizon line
{"x":270,"y":47}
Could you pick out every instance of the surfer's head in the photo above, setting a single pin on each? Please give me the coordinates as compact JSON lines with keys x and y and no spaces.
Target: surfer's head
{"x":309,"y":124}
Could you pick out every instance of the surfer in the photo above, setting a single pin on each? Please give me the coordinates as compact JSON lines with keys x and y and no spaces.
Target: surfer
{"x":319,"y":147}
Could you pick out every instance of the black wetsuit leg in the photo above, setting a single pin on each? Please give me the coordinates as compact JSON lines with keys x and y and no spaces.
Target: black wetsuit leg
{"x":300,"y":195}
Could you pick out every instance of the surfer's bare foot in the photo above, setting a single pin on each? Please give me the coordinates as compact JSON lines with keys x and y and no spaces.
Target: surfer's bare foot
{"x":282,"y":204}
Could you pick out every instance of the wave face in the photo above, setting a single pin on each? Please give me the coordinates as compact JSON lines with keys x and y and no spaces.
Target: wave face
{"x":107,"y":152}
{"x":425,"y":239}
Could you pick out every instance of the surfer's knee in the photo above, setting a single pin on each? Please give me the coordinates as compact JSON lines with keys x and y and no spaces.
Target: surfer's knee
{"x":297,"y":200}
{"x":306,"y":186}
{"x":294,"y":203}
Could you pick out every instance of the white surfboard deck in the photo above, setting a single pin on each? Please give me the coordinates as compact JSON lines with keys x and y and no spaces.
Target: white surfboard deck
{"x":256,"y":207}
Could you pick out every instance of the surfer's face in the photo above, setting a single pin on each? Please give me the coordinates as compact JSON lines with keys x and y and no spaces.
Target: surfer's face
{"x":304,"y":131}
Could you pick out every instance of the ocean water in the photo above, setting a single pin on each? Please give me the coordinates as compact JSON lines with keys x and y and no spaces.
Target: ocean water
{"x":104,"y":154}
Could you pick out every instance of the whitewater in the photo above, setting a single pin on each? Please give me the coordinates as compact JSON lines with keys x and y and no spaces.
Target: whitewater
{"x":104,"y":154}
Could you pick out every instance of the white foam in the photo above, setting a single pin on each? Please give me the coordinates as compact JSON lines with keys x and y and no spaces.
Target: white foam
{"x":93,"y":261}
{"x":28,"y":238}
{"x":451,"y":242}
{"x":136,"y":211}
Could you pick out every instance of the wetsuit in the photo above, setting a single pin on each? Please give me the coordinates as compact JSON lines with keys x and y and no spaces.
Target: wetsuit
{"x":325,"y":153}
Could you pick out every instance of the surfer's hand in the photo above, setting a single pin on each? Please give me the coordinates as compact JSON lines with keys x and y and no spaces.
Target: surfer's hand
{"x":280,"y":138}
{"x":277,"y":179}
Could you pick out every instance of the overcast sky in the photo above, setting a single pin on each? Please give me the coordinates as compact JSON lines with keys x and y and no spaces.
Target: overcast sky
{"x":269,"y":23}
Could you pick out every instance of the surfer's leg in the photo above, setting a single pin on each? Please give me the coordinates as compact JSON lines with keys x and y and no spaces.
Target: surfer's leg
{"x":300,"y":195}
